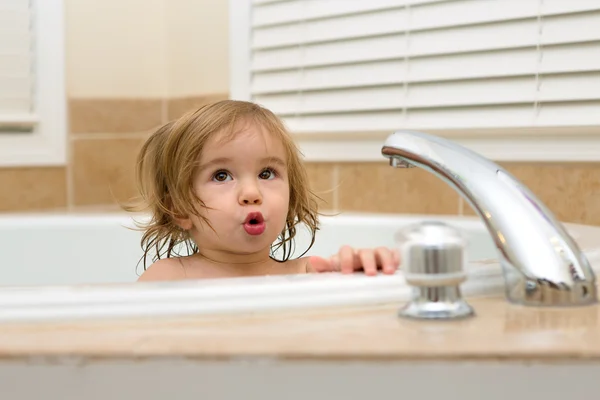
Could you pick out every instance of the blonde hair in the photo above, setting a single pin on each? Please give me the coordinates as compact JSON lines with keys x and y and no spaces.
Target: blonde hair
{"x":167,"y":163}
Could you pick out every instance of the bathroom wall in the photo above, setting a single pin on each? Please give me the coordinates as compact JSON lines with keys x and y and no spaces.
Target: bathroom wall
{"x":133,"y":64}
{"x":130,"y":65}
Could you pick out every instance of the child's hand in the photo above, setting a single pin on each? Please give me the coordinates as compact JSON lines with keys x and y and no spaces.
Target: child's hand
{"x":348,"y":260}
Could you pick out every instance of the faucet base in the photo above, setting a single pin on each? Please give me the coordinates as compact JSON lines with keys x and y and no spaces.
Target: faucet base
{"x":548,"y":294}
{"x":443,"y":302}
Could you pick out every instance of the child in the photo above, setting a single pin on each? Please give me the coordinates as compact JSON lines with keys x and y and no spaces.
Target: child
{"x":227,"y":182}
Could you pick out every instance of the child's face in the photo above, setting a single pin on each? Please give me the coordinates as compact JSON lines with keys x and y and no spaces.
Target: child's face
{"x":244,"y":182}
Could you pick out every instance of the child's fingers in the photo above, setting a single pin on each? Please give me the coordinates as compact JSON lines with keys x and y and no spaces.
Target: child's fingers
{"x":346,"y":259}
{"x":385,"y":259}
{"x":320,"y":264}
{"x":368,"y":261}
{"x":396,"y":257}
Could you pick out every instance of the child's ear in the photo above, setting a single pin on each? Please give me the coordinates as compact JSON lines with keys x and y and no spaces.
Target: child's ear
{"x":184,"y":223}
{"x":180,"y":220}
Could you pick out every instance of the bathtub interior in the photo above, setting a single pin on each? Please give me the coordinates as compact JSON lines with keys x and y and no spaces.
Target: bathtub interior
{"x":74,"y":249}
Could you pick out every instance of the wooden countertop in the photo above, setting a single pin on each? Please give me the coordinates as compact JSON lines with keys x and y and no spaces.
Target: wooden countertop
{"x":499,"y":331}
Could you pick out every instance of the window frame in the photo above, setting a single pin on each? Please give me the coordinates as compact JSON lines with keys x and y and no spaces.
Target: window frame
{"x":47,"y":144}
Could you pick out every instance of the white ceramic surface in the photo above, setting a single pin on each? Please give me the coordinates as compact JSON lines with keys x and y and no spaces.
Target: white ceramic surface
{"x":68,"y":249}
{"x":82,"y":266}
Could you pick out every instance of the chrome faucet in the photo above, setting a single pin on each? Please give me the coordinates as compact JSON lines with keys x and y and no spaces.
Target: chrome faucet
{"x":542,"y":264}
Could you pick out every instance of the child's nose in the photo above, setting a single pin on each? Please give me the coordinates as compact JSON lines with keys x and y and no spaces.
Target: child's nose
{"x":250,"y":195}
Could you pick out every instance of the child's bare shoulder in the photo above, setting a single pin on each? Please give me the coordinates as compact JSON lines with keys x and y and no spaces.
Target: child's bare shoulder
{"x":299,"y":266}
{"x":166,"y":269}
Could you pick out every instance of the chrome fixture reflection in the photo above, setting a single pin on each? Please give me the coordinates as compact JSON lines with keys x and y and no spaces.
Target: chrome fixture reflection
{"x":542,"y":264}
{"x":433,"y":265}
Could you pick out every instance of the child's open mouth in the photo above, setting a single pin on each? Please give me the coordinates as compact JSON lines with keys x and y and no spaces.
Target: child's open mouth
{"x":254,"y":223}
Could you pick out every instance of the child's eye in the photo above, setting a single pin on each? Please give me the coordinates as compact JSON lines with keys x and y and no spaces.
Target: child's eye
{"x":221,"y":176}
{"x":267,"y":173}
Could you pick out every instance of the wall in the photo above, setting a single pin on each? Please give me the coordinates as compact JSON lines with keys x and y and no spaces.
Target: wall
{"x":133,"y":64}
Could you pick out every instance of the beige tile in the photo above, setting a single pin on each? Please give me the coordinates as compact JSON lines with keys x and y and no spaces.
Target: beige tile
{"x":180,"y":105}
{"x":104,"y":170}
{"x":570,"y":190}
{"x":35,"y":188}
{"x":377,"y":187}
{"x":116,"y":48}
{"x":320,"y":176}
{"x":114,"y":115}
{"x":197,"y":66}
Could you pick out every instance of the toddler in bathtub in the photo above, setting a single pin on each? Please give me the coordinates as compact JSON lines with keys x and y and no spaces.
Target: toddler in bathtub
{"x":227,"y":183}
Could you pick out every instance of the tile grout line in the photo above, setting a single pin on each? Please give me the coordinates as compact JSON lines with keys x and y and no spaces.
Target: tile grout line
{"x":461,"y":206}
{"x":111,"y":135}
{"x":164,"y":47}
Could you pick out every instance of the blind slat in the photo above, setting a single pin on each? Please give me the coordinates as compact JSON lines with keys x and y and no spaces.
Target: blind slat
{"x":470,"y":117}
{"x":340,"y":76}
{"x":467,"y":12}
{"x":302,"y":10}
{"x":476,"y":117}
{"x":476,"y":92}
{"x":331,"y":101}
{"x":572,"y":87}
{"x":17,"y":95}
{"x":377,"y":120}
{"x":14,"y":43}
{"x":16,"y":119}
{"x":15,"y":87}
{"x":569,"y":114}
{"x":554,"y":7}
{"x":15,"y":64}
{"x":571,"y":28}
{"x":14,"y":107}
{"x":570,"y":58}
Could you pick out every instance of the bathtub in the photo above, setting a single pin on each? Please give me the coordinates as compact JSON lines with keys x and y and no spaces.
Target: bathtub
{"x":74,"y":249}
{"x":62,"y":267}
{"x":83,"y":266}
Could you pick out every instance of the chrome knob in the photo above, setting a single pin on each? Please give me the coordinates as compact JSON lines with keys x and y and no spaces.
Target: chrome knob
{"x":433,"y":255}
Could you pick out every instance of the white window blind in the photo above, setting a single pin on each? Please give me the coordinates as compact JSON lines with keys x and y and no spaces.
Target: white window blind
{"x":355,"y":65}
{"x":17,"y":72}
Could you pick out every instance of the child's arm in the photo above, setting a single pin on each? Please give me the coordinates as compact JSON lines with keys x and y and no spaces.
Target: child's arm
{"x":167,"y":269}
{"x":348,"y":260}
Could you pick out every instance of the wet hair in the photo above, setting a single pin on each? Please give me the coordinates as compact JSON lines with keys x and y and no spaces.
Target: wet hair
{"x":167,"y":164}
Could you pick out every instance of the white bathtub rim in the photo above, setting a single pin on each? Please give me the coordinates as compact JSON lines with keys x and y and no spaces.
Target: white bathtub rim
{"x":242,"y":295}
{"x":228,"y":296}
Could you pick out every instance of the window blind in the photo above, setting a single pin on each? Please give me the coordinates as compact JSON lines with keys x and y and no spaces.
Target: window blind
{"x":17,"y":72}
{"x":355,"y":65}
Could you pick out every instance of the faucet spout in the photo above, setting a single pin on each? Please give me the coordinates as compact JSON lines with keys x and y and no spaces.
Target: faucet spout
{"x":542,"y":264}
